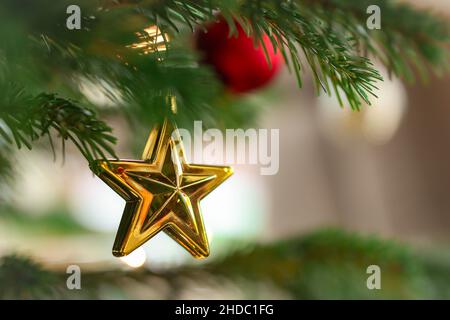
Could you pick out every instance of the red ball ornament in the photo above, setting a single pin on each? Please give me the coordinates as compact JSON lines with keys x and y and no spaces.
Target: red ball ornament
{"x":242,"y":66}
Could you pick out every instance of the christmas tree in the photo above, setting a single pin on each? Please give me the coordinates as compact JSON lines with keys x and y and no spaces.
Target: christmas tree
{"x":73,"y":71}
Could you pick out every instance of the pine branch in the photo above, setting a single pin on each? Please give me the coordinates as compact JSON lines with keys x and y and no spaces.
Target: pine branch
{"x":323,"y":265}
{"x":6,"y":167}
{"x":39,"y":54}
{"x":330,"y":57}
{"x":18,"y":273}
{"x":409,"y":41}
{"x":25,"y":119}
{"x":330,"y":33}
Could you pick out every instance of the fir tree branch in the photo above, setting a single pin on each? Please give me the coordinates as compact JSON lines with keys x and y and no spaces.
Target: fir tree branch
{"x":25,"y":119}
{"x":330,"y":33}
{"x":323,"y":265}
{"x":409,"y":41}
{"x":331,"y":58}
{"x":38,"y":53}
{"x":6,"y":167}
{"x":330,"y":36}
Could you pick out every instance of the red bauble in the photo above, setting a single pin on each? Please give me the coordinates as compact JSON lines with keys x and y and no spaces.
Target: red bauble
{"x":242,"y":66}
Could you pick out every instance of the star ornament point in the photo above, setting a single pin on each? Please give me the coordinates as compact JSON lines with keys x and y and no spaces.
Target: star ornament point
{"x":162,"y":193}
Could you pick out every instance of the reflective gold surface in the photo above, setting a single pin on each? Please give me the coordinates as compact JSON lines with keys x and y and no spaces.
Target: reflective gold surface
{"x":151,"y":40}
{"x":162,"y":192}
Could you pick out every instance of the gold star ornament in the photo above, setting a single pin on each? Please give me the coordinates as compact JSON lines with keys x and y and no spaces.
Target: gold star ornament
{"x":162,"y":193}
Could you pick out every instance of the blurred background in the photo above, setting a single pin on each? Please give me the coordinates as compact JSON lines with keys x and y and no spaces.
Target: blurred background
{"x":353,"y":189}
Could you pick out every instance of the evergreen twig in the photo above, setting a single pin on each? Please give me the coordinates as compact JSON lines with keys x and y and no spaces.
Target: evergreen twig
{"x":330,"y":36}
{"x":28,"y":118}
